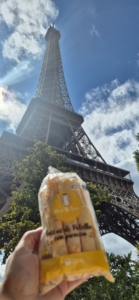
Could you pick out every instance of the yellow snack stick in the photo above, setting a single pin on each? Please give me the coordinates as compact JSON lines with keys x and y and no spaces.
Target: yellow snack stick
{"x":44,"y":197}
{"x":63,"y":184}
{"x":72,"y":236}
{"x":88,"y":203}
{"x":55,"y":236}
{"x":86,"y":224}
{"x":70,"y":228}
{"x":87,"y":230}
{"x":52,"y":185}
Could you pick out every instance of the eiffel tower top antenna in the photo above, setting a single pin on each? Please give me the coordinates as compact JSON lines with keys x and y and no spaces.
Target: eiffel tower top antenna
{"x":52,"y":85}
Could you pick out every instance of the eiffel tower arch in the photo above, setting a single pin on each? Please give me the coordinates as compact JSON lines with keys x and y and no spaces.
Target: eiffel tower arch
{"x":50,"y":118}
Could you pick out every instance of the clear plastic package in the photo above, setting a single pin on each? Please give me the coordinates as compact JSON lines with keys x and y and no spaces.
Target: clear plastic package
{"x":70,"y":246}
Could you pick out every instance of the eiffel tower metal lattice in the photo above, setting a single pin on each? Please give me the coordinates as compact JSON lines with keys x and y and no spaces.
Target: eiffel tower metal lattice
{"x":51,"y":119}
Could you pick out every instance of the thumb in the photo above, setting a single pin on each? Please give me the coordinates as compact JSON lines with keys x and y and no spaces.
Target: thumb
{"x":30,"y":240}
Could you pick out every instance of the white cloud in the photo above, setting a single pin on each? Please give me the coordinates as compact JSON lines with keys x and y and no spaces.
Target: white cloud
{"x":11,"y":110}
{"x":117,"y":245}
{"x":92,"y":11}
{"x":2,"y":268}
{"x":111,"y":120}
{"x":2,"y":272}
{"x":27,"y":20}
{"x":129,"y":164}
{"x":17,"y":74}
{"x":94,"y":31}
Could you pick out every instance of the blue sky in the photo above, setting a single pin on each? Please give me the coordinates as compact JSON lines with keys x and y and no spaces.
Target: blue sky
{"x":100,"y":54}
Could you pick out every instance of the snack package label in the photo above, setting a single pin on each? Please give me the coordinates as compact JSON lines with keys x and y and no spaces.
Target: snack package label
{"x":66,"y":206}
{"x":75,"y":264}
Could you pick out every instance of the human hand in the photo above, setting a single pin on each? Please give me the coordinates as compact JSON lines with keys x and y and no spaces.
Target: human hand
{"x":21,"y":281}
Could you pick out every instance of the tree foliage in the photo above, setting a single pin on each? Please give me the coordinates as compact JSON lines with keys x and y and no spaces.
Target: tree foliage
{"x":136,"y":154}
{"x":24,"y":213}
{"x":98,"y":196}
{"x":126,"y":284}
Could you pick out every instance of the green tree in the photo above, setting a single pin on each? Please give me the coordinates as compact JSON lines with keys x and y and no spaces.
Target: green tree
{"x":24,"y":213}
{"x":98,"y":196}
{"x":124,"y":288}
{"x":136,"y":154}
{"x":137,"y":272}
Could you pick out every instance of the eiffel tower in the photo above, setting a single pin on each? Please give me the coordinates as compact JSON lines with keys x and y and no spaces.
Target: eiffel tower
{"x":50,"y":118}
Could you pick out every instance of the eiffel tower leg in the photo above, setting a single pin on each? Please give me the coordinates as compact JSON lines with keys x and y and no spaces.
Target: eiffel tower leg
{"x":92,"y":145}
{"x":48,"y":130}
{"x":81,"y":150}
{"x":81,"y":141}
{"x":122,"y":223}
